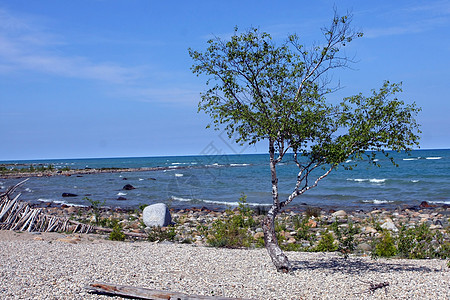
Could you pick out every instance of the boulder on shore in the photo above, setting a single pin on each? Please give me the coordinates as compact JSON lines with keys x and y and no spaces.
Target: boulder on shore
{"x":156,"y":215}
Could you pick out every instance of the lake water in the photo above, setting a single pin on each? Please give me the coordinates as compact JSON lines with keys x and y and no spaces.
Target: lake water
{"x":219,"y":181}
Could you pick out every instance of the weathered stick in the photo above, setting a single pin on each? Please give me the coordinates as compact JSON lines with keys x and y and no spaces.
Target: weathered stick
{"x":143,"y":293}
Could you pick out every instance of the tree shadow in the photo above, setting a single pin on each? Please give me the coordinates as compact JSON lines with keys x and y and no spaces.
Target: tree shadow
{"x":354,"y":266}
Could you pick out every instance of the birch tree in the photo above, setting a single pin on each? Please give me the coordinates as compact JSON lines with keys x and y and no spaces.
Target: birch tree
{"x":260,"y":91}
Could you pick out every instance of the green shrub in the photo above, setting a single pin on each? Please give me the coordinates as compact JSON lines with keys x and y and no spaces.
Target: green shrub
{"x":345,"y":237}
{"x":158,"y":234}
{"x":326,"y":243}
{"x":116,"y":234}
{"x":234,"y":230}
{"x":303,"y":229}
{"x":96,"y":205}
{"x":385,"y":246}
{"x":421,"y":242}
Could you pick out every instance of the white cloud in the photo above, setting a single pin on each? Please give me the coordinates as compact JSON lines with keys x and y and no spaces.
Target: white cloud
{"x":25,"y":46}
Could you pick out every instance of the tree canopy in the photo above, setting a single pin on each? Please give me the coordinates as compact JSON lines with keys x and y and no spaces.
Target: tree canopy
{"x":262,"y":91}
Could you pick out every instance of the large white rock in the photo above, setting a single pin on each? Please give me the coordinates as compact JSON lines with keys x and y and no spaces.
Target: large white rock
{"x":339,"y":213}
{"x":389,"y":225}
{"x":156,"y":215}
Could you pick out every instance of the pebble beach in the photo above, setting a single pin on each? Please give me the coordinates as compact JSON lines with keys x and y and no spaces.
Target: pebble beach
{"x":59,"y":266}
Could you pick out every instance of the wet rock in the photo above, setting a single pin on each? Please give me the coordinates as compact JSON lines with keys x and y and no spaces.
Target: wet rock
{"x":128,"y":187}
{"x":69,"y":195}
{"x":424,"y":204}
{"x":121,"y":198}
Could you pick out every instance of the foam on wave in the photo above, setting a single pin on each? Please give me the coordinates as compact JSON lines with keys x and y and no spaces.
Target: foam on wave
{"x":216,"y":201}
{"x":377,"y":201}
{"x":372,"y":180}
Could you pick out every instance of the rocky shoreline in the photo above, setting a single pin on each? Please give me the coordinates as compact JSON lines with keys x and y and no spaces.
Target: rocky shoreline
{"x":193,"y":225}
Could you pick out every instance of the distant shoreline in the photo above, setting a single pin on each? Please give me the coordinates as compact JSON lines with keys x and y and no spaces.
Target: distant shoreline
{"x":15,"y":175}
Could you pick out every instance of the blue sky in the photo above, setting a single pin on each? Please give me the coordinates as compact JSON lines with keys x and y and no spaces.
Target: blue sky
{"x":112,"y":78}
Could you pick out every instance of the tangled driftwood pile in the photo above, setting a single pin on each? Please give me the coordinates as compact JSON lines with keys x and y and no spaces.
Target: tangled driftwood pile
{"x":18,"y":215}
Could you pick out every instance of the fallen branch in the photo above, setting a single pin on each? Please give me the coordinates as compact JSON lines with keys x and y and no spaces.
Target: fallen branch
{"x":375,"y":286}
{"x":143,"y":293}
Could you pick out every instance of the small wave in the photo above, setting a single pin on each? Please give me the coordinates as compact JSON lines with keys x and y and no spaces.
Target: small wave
{"x":216,"y":202}
{"x":28,"y":190}
{"x":239,"y":165}
{"x":215,"y":165}
{"x":415,"y":158}
{"x":433,"y":157}
{"x":440,"y":202}
{"x":415,"y":181}
{"x":375,"y":160}
{"x":357,"y":179}
{"x":376,"y":201}
{"x":347,"y":161}
{"x":60,"y":202}
{"x":121,"y":194}
{"x":234,"y":203}
{"x":141,"y":179}
{"x":44,"y":200}
{"x":178,"y":163}
{"x":178,"y":175}
{"x":373,"y":180}
{"x":68,"y":204}
{"x":173,"y":167}
{"x":181,"y":199}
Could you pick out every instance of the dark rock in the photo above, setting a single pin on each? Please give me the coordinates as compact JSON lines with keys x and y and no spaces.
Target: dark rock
{"x":152,"y":179}
{"x":69,"y":195}
{"x":424,"y":204}
{"x":128,"y":187}
{"x":124,"y":178}
{"x":121,"y":198}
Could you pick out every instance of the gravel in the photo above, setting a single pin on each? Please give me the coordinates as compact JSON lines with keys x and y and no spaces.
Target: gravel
{"x":57,"y":266}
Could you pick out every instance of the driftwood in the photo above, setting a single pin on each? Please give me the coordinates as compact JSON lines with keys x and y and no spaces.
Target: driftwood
{"x":375,"y":286}
{"x":17,"y":215}
{"x":143,"y":293}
